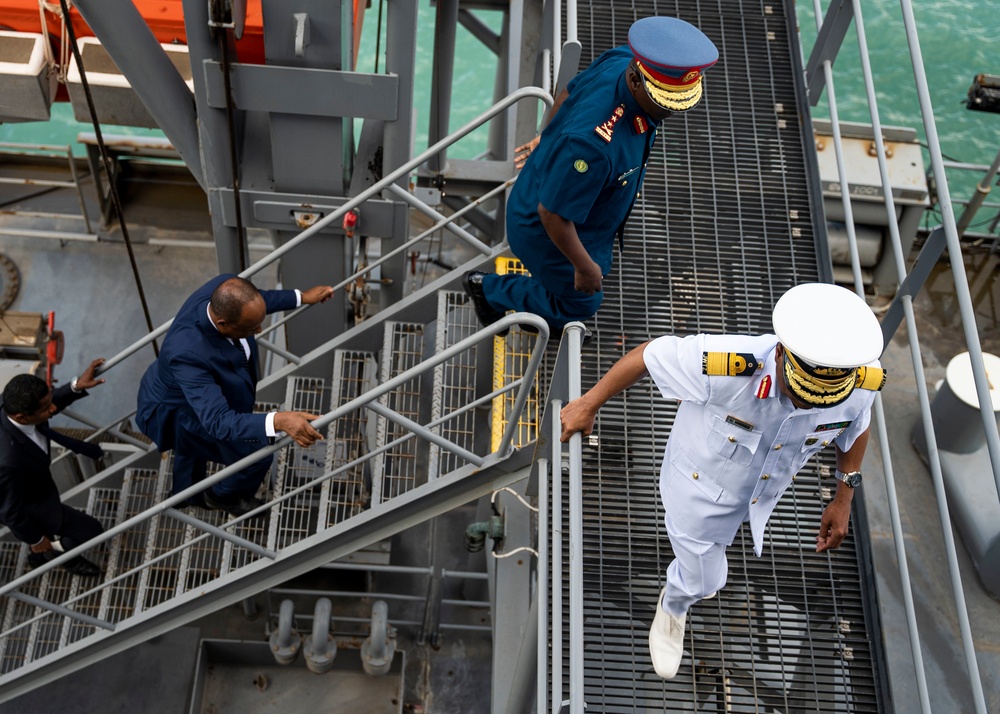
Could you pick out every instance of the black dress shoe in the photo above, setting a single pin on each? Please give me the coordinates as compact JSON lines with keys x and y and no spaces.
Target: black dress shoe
{"x":233,"y":505}
{"x":472,"y":283}
{"x":36,"y":560}
{"x":83,"y":567}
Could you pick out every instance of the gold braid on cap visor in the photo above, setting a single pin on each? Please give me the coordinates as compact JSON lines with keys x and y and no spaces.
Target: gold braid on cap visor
{"x":676,"y":98}
{"x":814,"y":390}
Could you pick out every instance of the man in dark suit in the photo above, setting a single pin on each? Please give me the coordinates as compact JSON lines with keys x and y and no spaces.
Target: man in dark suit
{"x":29,"y":500}
{"x":197,"y":398}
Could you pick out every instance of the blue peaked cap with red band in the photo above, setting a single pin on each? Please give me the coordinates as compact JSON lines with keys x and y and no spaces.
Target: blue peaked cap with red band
{"x":671,"y":56}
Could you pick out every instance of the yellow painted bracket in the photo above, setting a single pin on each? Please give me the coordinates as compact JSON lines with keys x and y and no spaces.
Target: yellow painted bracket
{"x":510,"y":357}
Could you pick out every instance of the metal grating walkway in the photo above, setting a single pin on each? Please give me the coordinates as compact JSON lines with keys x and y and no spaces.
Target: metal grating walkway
{"x":724,"y":226}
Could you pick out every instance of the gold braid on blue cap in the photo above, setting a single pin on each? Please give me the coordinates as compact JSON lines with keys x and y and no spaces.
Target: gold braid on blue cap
{"x":818,"y":386}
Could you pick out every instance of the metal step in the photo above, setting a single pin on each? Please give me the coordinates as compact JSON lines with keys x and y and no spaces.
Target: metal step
{"x":454,"y":381}
{"x":398,"y":470}
{"x":141,"y":489}
{"x":296,"y":518}
{"x":348,"y":438}
{"x":726,"y":222}
{"x":45,"y":632}
{"x":255,"y":530}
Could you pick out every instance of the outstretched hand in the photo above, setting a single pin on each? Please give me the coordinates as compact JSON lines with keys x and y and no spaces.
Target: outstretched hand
{"x":320,"y":293}
{"x":834,"y":525}
{"x":297,"y":426}
{"x":522,"y":152}
{"x":86,"y":380}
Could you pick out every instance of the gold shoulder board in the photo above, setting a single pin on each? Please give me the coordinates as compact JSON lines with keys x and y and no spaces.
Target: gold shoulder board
{"x":729,"y":364}
{"x":871,"y":378}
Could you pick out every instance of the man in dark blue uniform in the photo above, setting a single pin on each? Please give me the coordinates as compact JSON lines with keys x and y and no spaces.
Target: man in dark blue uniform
{"x":582,"y":178}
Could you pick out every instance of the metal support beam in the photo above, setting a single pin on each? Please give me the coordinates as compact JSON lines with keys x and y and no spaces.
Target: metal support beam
{"x":64,"y":611}
{"x":154,"y":78}
{"x":930,"y":254}
{"x":372,"y":526}
{"x":445,"y":26}
{"x":425,"y":433}
{"x":220,"y":533}
{"x":304,"y":90}
{"x":511,"y":597}
{"x":213,"y":133}
{"x":831,"y":35}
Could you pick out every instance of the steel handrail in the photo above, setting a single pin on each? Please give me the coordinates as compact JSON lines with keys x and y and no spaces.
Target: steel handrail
{"x":350,"y":205}
{"x":483,"y":335}
{"x":560,"y":458}
{"x":895,"y":521}
{"x":962,"y":291}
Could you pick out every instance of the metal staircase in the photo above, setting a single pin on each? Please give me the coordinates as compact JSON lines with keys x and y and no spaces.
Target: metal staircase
{"x":373,"y":476}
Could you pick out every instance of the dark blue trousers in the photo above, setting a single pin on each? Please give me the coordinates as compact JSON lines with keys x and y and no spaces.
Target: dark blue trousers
{"x":193,"y":449}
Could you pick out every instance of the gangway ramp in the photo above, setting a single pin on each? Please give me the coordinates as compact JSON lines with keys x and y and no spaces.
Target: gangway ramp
{"x":729,"y":218}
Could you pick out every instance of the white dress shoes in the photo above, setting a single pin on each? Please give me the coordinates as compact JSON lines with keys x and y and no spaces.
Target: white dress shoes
{"x":666,"y":641}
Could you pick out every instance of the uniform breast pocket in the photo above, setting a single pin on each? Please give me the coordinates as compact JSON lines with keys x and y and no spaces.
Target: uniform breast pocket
{"x":816,"y":440}
{"x":733,"y":443}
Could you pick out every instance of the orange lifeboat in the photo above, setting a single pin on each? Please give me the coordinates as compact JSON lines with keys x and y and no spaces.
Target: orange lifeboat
{"x":164,"y":17}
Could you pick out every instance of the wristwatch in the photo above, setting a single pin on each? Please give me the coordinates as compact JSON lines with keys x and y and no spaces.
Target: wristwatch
{"x":851,"y":478}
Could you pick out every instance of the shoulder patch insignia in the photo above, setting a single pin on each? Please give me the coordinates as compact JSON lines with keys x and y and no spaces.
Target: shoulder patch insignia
{"x":581,"y":166}
{"x":729,"y":364}
{"x":871,"y":378}
{"x":606,"y":129}
{"x":640,"y":125}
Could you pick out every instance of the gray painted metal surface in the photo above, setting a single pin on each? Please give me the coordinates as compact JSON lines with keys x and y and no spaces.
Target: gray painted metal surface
{"x":726,"y":224}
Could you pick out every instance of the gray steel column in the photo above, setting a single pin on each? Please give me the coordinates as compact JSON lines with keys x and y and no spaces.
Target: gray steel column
{"x":131,"y":44}
{"x":213,"y":133}
{"x":400,"y":58}
{"x":445,"y":26}
{"x":307,"y":156}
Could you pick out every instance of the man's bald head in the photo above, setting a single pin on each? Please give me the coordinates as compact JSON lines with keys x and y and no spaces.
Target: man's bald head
{"x":237,"y":308}
{"x":231,"y":296}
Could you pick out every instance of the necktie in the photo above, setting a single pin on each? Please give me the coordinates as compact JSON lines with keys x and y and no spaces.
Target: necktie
{"x":75,"y":445}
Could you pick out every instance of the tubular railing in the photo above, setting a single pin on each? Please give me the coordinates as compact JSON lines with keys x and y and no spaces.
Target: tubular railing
{"x":228,"y":531}
{"x":372,"y":191}
{"x":48,"y":185}
{"x":386,"y":183}
{"x":952,"y":236}
{"x":367,"y":401}
{"x":556,"y":460}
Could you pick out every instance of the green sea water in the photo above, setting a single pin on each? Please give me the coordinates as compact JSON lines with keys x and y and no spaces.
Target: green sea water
{"x":959,"y":39}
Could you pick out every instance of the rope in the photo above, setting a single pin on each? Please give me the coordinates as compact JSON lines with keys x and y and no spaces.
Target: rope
{"x":115,"y":199}
{"x":233,"y":162}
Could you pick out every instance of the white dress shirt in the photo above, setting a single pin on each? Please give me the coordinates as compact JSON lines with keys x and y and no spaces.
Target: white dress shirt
{"x":269,"y":418}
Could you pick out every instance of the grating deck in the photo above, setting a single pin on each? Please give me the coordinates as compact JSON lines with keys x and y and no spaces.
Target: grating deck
{"x":724,"y":226}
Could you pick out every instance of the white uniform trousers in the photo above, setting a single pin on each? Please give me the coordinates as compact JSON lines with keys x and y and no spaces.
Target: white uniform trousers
{"x":699,"y":568}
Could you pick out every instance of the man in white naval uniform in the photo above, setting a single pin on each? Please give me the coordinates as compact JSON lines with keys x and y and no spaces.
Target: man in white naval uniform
{"x":753,"y":411}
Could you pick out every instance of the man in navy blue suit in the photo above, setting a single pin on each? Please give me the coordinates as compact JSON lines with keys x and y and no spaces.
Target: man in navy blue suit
{"x":29,"y":498}
{"x":197,"y":398}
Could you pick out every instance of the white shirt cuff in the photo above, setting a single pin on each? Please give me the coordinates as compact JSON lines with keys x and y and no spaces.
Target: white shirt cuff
{"x":72,"y":386}
{"x":298,"y":298}
{"x":269,"y":424}
{"x":39,"y":541}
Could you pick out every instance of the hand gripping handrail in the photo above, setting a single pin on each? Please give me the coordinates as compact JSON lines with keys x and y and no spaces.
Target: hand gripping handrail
{"x":487,"y":333}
